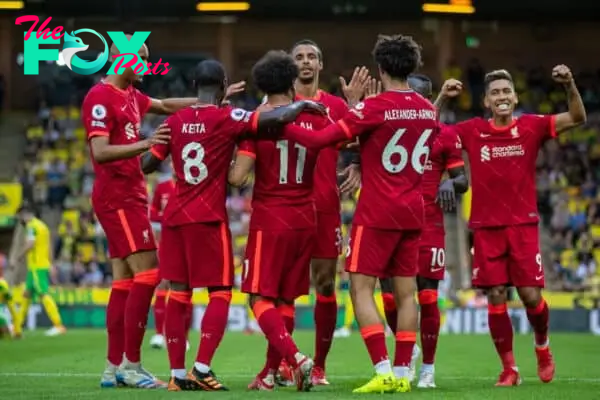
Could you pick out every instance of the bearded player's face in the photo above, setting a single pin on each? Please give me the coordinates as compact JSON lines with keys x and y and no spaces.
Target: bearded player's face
{"x":143,"y":54}
{"x":308,"y":62}
{"x":501,"y":98}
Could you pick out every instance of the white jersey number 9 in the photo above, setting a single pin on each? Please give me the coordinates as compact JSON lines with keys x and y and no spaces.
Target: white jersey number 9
{"x":194,"y":169}
{"x":393,"y":147}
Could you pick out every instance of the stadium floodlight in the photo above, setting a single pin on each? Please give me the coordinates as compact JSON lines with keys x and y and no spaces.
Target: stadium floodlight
{"x":12,"y":5}
{"x":453,"y":7}
{"x":223,"y":6}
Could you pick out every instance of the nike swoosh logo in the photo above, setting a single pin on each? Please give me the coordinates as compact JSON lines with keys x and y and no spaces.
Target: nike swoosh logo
{"x":539,"y":278}
{"x":484,"y":135}
{"x":436,"y":269}
{"x":124,"y":108}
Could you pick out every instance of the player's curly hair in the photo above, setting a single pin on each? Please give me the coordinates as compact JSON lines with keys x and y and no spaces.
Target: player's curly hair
{"x":397,"y":55}
{"x":275,"y":72}
{"x":209,"y":74}
{"x":496,"y":75}
{"x":308,"y":42}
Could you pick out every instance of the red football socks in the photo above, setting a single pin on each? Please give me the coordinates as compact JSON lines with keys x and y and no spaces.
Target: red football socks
{"x":115,"y":320}
{"x":136,"y":312}
{"x":288,"y":313}
{"x":501,"y":331}
{"x":189,"y":318}
{"x":538,"y":318}
{"x":325,"y":321}
{"x":273,"y":326}
{"x":213,"y":326}
{"x":430,"y":323}
{"x":405,"y":341}
{"x":374,"y":338}
{"x":175,"y":333}
{"x":159,"y":311}
{"x":390,"y":310}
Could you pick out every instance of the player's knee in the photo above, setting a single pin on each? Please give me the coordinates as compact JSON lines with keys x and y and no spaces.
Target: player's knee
{"x":497,"y":295}
{"x":177,"y":286}
{"x":386,"y":286}
{"x":163,"y":285}
{"x":426,"y":284}
{"x":142,"y":261}
{"x":530,"y":296}
{"x":325,"y":287}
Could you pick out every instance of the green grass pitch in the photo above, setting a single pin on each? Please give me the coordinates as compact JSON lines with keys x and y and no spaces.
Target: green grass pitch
{"x":69,"y":367}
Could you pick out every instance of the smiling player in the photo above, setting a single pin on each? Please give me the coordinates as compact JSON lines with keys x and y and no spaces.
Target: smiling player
{"x":504,"y":216}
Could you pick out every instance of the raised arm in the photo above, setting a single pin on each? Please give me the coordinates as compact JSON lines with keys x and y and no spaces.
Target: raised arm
{"x":450,"y":89}
{"x":169,"y":106}
{"x":576,"y":114}
{"x":263,"y":121}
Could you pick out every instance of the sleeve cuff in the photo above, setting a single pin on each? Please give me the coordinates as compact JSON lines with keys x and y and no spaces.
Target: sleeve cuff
{"x":93,"y":134}
{"x":455,"y":164}
{"x":157,"y":154}
{"x":247,"y":153}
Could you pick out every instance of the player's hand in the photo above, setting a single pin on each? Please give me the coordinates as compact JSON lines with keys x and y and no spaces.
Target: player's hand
{"x":446,"y":196}
{"x":352,"y":182}
{"x":354,"y":90}
{"x":234,"y":88}
{"x":451,"y":88}
{"x":372,"y":88}
{"x":161,"y":135}
{"x":314,"y":107}
{"x":562,"y":74}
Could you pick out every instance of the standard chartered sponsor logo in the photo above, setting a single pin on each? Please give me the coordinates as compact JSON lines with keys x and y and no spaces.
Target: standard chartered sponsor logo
{"x":488,"y":153}
{"x":485,"y":153}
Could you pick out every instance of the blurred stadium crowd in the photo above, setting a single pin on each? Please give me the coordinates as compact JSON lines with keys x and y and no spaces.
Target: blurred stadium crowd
{"x":56,"y":173}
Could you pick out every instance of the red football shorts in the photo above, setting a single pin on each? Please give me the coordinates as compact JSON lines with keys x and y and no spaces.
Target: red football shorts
{"x":383,"y":253}
{"x":329,"y":236}
{"x":277,"y":263}
{"x":432,"y":254}
{"x":507,"y":255}
{"x":127,"y":231}
{"x":198,"y":254}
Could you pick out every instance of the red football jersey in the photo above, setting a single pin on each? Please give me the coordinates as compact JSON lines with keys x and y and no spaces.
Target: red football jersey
{"x":502,"y":163}
{"x":327,"y":195}
{"x":284,"y":179}
{"x":201,"y":147}
{"x":116,"y":113}
{"x":395,"y":131}
{"x":446,"y":153}
{"x":160,"y":198}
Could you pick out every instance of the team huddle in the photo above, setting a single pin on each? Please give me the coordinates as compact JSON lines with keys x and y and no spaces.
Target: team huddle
{"x":409,"y":167}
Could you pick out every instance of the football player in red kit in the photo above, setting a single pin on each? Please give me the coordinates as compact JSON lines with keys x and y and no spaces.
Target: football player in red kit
{"x":160,"y":197}
{"x":111,"y":113}
{"x":504,"y":216}
{"x":201,"y":145}
{"x":282,"y":226}
{"x":439,"y":195}
{"x":309,"y":59}
{"x":394,"y":130}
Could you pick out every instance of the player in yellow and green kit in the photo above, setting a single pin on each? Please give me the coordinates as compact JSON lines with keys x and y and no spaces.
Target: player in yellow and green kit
{"x":37,"y":248}
{"x":6,"y":299}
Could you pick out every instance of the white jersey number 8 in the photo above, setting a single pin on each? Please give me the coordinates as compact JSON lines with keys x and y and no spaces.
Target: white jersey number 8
{"x":194,"y":169}
{"x":393,"y":147}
